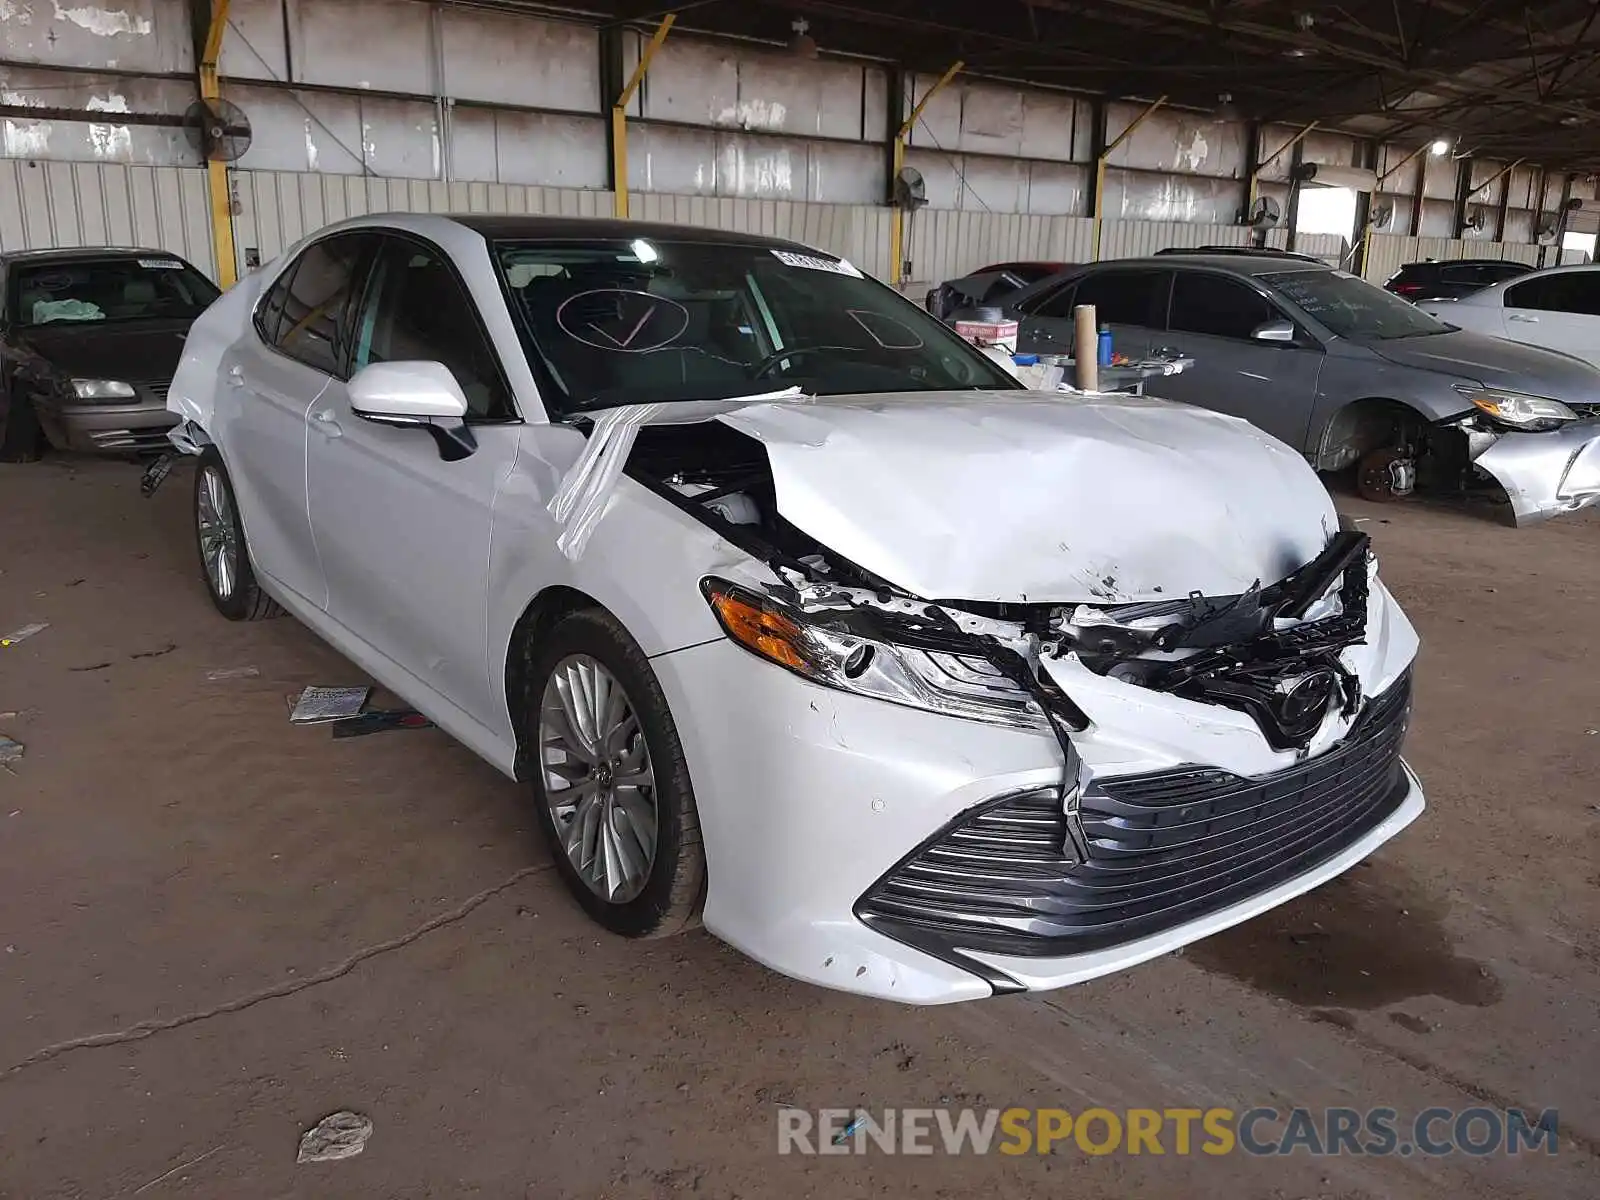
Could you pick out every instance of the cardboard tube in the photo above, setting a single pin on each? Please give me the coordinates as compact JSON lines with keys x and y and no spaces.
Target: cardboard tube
{"x":1086,"y":348}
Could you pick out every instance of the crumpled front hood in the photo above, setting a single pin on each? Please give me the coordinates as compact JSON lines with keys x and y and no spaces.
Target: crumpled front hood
{"x":1042,"y":498}
{"x":1496,"y":362}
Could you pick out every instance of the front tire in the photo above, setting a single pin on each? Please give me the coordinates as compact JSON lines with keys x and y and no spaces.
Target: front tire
{"x":609,"y":779}
{"x":220,"y":542}
{"x":21,"y":437}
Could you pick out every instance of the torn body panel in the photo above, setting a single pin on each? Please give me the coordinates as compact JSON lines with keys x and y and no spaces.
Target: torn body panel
{"x":1545,"y":474}
{"x":193,"y":395}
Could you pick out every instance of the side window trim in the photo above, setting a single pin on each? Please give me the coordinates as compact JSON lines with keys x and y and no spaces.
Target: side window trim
{"x":510,"y":417}
{"x":284,"y":278}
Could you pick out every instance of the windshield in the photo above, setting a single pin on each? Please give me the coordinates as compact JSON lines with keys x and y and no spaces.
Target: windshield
{"x":1351,"y":307}
{"x":110,"y":289}
{"x":616,"y":322}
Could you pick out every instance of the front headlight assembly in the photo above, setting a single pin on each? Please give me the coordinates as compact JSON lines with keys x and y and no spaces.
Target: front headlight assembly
{"x":817,"y":648}
{"x":103,"y":390}
{"x":1517,"y":410}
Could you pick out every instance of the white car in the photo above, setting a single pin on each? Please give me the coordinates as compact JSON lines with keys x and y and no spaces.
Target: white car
{"x":789,"y":611}
{"x":1558,"y":309}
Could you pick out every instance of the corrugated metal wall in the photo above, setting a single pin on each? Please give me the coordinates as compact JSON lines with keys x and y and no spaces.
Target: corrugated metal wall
{"x":946,"y":244}
{"x":277,"y":208}
{"x":1329,"y":247}
{"x":854,"y":231}
{"x":1136,"y":239}
{"x":44,"y":204}
{"x":725,"y":135}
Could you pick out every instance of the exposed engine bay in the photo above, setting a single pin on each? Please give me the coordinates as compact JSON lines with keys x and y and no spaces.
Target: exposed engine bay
{"x":1272,"y":652}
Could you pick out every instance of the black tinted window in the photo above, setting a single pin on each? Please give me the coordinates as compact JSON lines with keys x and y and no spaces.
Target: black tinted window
{"x":417,"y":310}
{"x":1481,"y":274}
{"x":1216,"y":305}
{"x":1057,"y":303}
{"x":1415,"y":273}
{"x":314,"y":327}
{"x":72,"y":290}
{"x":1569,"y":293}
{"x":271,"y":308}
{"x":1126,"y":297}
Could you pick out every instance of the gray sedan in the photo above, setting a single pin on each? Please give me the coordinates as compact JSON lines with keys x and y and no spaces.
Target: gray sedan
{"x":1346,"y":373}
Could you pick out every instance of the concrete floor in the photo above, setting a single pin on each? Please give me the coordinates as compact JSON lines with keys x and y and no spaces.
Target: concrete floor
{"x":217,"y":928}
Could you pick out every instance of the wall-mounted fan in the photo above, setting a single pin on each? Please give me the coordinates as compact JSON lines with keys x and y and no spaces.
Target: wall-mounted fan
{"x":218,"y":130}
{"x":1381,"y":216}
{"x":910,"y":190}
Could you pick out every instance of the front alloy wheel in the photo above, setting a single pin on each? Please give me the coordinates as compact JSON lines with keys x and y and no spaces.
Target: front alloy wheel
{"x":219,"y":548}
{"x":599,"y":784}
{"x":610,"y":782}
{"x":224,"y":553}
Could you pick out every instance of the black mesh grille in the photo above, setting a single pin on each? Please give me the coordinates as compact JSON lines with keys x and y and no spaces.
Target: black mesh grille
{"x":1162,"y":848}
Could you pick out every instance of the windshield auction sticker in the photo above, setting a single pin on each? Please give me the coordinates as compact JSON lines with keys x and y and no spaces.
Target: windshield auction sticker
{"x":813,"y":262}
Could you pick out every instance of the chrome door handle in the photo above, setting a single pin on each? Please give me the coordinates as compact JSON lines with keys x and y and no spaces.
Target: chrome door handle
{"x":235,"y":377}
{"x":1524,"y":319}
{"x":327,"y":424}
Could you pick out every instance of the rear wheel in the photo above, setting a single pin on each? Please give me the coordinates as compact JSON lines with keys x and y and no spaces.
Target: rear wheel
{"x":610,"y":783}
{"x":21,"y":438}
{"x":224,"y":553}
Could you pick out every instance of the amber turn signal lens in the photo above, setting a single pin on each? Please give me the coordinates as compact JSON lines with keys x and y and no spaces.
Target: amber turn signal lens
{"x":771,"y":635}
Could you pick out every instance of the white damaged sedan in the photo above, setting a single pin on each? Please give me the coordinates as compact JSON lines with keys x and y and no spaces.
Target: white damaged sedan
{"x":789,"y":612}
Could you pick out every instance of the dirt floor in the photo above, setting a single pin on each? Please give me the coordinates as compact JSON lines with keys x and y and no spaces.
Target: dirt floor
{"x":218,"y":928}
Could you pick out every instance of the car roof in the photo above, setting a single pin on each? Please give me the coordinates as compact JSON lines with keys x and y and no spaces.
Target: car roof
{"x":513,"y":228}
{"x":68,"y":253}
{"x":1464,"y":262}
{"x":1568,"y":269}
{"x":1247,"y":251}
{"x":1232,"y":264}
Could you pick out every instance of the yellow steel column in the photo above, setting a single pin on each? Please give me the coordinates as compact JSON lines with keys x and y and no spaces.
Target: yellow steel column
{"x":1100,"y":170}
{"x":1377,"y":190}
{"x":619,"y":114}
{"x":217,"y":172}
{"x":897,"y":229}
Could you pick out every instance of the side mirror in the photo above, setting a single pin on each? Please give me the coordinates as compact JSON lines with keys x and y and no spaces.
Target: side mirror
{"x":1274,"y":331}
{"x":422,"y":395}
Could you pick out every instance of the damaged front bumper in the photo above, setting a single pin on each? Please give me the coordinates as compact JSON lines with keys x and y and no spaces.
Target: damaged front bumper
{"x":1546,"y":474}
{"x":913,"y":856}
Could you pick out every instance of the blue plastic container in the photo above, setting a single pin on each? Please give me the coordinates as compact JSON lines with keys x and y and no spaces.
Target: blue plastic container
{"x":1104,"y":356}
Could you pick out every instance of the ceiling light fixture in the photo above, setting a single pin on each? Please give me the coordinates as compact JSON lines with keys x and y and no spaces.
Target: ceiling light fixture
{"x":802,"y":44}
{"x":1440,"y":148}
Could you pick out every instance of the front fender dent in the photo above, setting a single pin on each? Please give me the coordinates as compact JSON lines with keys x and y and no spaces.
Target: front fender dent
{"x":1545,"y":474}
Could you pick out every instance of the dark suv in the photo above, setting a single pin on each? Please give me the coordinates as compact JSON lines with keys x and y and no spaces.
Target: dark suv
{"x":1421,"y":281}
